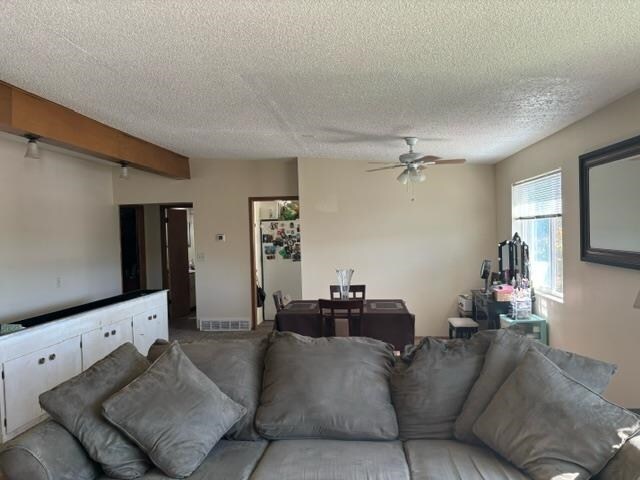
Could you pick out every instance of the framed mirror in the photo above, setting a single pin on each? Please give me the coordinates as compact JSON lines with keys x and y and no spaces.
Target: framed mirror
{"x":610,"y":205}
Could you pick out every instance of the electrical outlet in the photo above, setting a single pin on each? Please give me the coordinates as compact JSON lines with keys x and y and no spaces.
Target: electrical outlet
{"x":200,"y":256}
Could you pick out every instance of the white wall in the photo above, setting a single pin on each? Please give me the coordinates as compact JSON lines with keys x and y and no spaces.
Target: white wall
{"x":153,"y":246}
{"x":597,"y":317}
{"x":426,"y":251}
{"x":58,"y":221}
{"x":220,"y":191}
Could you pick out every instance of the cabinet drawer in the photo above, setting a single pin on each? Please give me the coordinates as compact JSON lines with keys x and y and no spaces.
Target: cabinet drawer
{"x":25,"y":378}
{"x":100,"y":342}
{"x":148,"y":327}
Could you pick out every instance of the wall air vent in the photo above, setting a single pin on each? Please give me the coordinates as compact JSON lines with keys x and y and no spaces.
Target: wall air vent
{"x":231,"y":325}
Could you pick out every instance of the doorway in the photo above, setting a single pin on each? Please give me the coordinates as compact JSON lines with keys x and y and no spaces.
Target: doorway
{"x":132,"y":248}
{"x":178,"y":263}
{"x":158,"y":252}
{"x":275,"y":253}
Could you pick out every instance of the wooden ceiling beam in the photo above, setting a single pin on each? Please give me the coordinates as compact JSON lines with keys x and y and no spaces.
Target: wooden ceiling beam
{"x":23,"y":113}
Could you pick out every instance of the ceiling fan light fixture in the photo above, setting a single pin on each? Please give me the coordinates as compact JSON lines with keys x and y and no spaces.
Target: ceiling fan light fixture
{"x":415,"y":176}
{"x":404,"y":177}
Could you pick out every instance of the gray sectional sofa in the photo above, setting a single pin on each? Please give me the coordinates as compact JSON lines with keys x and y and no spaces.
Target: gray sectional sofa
{"x":326,"y":409}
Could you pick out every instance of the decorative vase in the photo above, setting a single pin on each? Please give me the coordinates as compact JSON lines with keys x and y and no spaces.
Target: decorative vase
{"x":344,"y":281}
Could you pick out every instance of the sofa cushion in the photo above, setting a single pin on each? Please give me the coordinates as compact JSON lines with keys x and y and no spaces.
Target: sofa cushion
{"x":332,"y":460}
{"x":76,"y":404}
{"x":327,"y":388}
{"x":452,"y":460}
{"x":173,"y":412}
{"x":503,"y":356}
{"x":228,"y":460}
{"x":551,"y":426}
{"x":429,"y":392}
{"x":46,"y":451}
{"x":625,"y":465}
{"x":235,"y":366}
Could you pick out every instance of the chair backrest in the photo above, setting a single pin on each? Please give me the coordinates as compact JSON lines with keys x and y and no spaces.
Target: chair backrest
{"x":349,"y":310}
{"x":277,"y":299}
{"x":355,"y":291}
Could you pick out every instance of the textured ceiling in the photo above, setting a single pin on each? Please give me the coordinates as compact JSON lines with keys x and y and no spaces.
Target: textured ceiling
{"x":323,"y":78}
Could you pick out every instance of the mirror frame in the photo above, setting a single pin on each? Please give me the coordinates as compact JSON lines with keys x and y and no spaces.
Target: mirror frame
{"x":612,"y":153}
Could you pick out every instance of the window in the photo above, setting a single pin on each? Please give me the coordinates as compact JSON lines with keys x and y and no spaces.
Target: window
{"x":536,"y":206}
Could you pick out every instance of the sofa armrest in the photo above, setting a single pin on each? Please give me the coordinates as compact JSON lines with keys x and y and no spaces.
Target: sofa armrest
{"x":46,"y":452}
{"x":626,"y":464}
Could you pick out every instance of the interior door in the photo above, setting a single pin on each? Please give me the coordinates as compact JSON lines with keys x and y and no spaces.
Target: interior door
{"x":178,"y":263}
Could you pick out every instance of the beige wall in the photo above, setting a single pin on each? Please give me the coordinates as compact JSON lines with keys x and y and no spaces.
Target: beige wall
{"x":219,"y":191}
{"x":597,"y":317}
{"x":426,"y":251}
{"x":59,"y":241}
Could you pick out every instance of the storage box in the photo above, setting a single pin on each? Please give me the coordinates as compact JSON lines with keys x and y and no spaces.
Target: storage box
{"x":465,"y":303}
{"x":501,"y":296}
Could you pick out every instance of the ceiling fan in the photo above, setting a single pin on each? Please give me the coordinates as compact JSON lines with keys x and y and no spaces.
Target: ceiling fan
{"x":414,"y":164}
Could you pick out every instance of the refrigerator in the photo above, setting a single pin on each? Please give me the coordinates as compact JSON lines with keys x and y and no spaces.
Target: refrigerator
{"x":281,"y":256}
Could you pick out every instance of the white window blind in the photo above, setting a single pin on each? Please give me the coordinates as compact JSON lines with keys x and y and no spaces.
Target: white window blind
{"x":540,"y":197}
{"x":537,"y":216}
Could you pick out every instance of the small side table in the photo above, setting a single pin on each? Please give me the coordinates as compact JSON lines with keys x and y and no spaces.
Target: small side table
{"x":533,"y":327}
{"x":462,"y":327}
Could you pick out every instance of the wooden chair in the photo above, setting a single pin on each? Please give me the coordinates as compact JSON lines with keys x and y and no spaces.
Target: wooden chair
{"x":349,"y":310}
{"x":277,"y":299}
{"x":355,"y":292}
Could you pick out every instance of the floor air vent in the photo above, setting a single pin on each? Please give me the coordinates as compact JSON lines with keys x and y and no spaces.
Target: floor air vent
{"x":224,"y":325}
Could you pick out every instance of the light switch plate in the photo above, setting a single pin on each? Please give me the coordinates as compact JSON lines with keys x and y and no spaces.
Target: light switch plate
{"x":200,"y":256}
{"x":221,"y":237}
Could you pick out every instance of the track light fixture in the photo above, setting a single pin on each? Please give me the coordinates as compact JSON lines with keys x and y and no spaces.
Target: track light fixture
{"x":33,"y":150}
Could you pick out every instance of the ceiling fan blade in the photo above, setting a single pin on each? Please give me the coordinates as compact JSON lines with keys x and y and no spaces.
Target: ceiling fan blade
{"x":452,"y":161}
{"x":387,"y":168}
{"x":427,"y":158}
{"x":382,"y":163}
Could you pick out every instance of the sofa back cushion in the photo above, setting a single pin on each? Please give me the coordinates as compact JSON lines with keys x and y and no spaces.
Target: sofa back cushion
{"x":550,"y":425}
{"x":76,"y":404}
{"x":174,"y":412}
{"x":429,"y":390}
{"x":504,"y":354}
{"x":235,"y":366}
{"x":335,"y":388}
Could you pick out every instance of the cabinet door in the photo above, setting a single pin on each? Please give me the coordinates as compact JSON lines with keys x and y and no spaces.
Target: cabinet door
{"x":25,"y":378}
{"x":148,"y":327}
{"x":100,"y":342}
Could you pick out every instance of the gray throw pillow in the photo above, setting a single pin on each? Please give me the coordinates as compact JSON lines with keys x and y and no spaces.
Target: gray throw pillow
{"x":504,"y":354}
{"x":550,"y":425}
{"x":173,"y":412}
{"x":429,"y":392}
{"x":76,"y":404}
{"x":235,"y":366}
{"x":333,"y":387}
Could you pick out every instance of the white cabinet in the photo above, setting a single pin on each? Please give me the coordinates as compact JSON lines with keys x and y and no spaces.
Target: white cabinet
{"x":148,"y":327}
{"x":42,"y":356}
{"x":100,"y":342}
{"x":26,"y":377}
